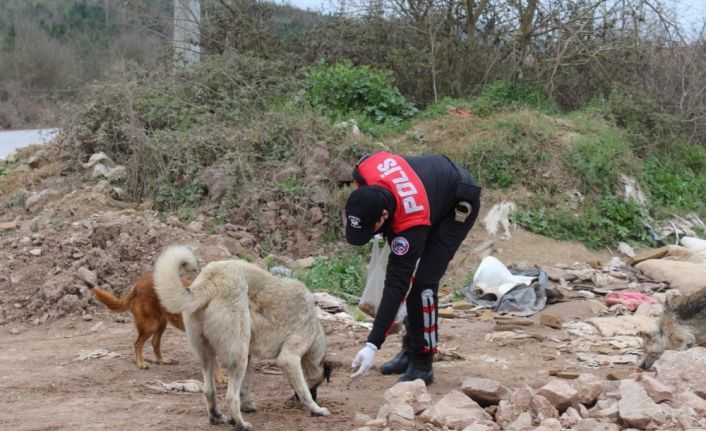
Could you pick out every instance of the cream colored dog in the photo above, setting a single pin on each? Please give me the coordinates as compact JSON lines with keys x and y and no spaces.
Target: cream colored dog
{"x":235,"y":309}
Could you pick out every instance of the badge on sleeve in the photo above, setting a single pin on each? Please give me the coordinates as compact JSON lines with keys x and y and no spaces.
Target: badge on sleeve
{"x":400,"y":246}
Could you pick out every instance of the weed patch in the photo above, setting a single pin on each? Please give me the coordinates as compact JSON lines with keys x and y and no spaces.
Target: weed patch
{"x":342,"y":276}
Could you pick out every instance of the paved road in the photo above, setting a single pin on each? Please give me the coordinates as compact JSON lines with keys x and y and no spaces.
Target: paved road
{"x":11,"y":140}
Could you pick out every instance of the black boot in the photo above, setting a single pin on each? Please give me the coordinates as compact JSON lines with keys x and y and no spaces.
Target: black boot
{"x":399,"y":363}
{"x":419,"y":369}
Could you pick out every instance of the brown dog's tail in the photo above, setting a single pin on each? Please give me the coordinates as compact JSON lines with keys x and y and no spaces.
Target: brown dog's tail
{"x":115,"y":304}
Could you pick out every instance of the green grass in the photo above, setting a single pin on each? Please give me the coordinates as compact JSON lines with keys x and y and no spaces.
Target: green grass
{"x":342,"y":276}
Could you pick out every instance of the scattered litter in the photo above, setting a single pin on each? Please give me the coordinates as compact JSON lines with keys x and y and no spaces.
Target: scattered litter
{"x":186,"y":386}
{"x":630,"y":299}
{"x":625,"y":249}
{"x":448,"y":354}
{"x":599,"y":360}
{"x":498,"y":215}
{"x":281,"y":271}
{"x":522,"y":293}
{"x":96,"y":354}
{"x":555,"y":322}
{"x":508,"y":335}
{"x":610,"y":326}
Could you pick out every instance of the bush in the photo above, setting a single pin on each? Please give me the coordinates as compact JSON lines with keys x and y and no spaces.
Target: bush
{"x":598,"y":224}
{"x":439,"y":108}
{"x":502,"y":95}
{"x":341,"y":90}
{"x":599,"y":157}
{"x":342,"y":276}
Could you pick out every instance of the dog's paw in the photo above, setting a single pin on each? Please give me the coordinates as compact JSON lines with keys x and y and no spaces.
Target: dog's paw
{"x":216,"y":419}
{"x":321,"y":411}
{"x":248,"y":407}
{"x":143,"y":365}
{"x":242,"y":426}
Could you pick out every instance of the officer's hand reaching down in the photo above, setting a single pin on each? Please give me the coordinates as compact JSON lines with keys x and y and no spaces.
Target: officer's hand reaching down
{"x":364,"y":360}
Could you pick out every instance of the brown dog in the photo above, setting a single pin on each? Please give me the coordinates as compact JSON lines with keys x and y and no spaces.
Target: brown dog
{"x":149,"y":316}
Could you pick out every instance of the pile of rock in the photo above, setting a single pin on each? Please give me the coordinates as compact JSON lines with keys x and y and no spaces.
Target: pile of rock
{"x":672,"y":398}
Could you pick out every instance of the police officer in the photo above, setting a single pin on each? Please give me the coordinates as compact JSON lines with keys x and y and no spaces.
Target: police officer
{"x":424,"y":206}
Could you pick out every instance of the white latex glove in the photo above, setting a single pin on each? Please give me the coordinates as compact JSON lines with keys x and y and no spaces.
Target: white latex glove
{"x":364,"y":360}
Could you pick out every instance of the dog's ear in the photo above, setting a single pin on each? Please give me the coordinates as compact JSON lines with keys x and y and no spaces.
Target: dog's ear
{"x":328,"y":370}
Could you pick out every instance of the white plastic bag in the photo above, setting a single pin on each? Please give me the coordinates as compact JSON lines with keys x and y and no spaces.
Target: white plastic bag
{"x":375,"y":283}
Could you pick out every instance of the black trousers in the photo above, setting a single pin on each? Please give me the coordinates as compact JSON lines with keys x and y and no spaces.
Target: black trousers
{"x":442,"y":243}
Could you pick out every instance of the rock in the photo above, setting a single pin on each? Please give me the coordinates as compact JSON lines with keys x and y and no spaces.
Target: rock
{"x":522,"y":397}
{"x":217,"y":182}
{"x":36,"y":252}
{"x":603,"y":411}
{"x":117,"y":173}
{"x":14,"y":331}
{"x":550,"y":424}
{"x":655,"y":389}
{"x":683,"y":370}
{"x":479,"y":427}
{"x":195,"y":226}
{"x":40,"y":199}
{"x":594,"y":425}
{"x":484,"y":391}
{"x":694,"y":401}
{"x":319,"y":194}
{"x":589,"y":388}
{"x":98,"y":158}
{"x":288,"y":173}
{"x":87,"y":317}
{"x":542,"y":408}
{"x":305,"y":262}
{"x":507,"y":413}
{"x":570,"y":418}
{"x":397,"y":415}
{"x":636,"y":408}
{"x":361,"y":419}
{"x":315,"y":215}
{"x":523,"y":421}
{"x":376,"y":423}
{"x":70,"y":303}
{"x":456,"y":411}
{"x":560,"y":393}
{"x":87,"y":276}
{"x":412,"y":393}
{"x":55,"y":286}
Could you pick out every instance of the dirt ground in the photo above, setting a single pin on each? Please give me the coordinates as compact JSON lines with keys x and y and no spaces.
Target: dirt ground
{"x":45,"y":387}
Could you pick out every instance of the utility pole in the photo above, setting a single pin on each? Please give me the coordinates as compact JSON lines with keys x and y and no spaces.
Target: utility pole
{"x":187,"y":36}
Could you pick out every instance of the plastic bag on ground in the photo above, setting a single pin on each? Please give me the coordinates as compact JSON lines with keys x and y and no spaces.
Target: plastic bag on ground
{"x":495,"y":287}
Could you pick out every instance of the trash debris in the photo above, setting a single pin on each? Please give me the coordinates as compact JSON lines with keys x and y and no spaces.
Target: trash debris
{"x":630,"y":299}
{"x":281,"y":271}
{"x":555,"y":322}
{"x":96,"y":354}
{"x":495,"y":286}
{"x":186,"y":386}
{"x":498,"y":215}
{"x":448,"y":354}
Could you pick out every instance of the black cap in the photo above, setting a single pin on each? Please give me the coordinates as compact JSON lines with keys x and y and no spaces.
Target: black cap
{"x":363,"y":209}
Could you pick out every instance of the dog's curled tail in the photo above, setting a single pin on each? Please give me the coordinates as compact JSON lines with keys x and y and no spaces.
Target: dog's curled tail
{"x":173,"y":295}
{"x":115,"y":304}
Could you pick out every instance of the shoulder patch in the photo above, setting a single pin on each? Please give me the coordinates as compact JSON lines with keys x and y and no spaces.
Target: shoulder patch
{"x":399,"y":245}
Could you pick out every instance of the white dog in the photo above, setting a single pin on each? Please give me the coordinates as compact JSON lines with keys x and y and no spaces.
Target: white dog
{"x":235,"y":309}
